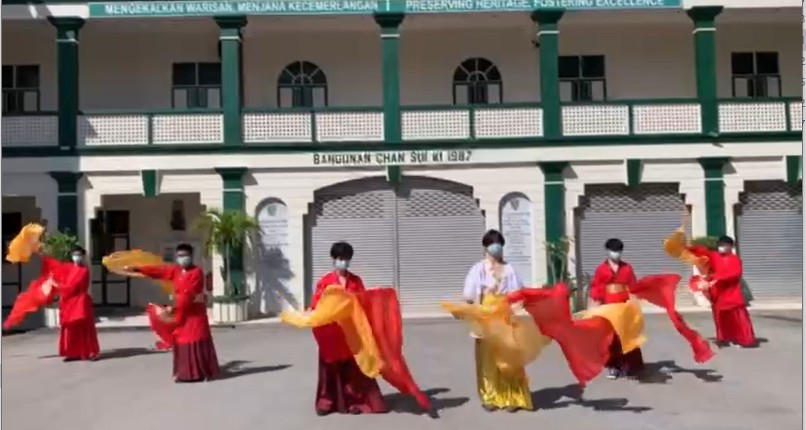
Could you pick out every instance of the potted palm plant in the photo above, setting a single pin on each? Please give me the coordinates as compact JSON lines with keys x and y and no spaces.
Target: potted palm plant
{"x":226,"y":233}
{"x":557,"y":255}
{"x":57,"y":245}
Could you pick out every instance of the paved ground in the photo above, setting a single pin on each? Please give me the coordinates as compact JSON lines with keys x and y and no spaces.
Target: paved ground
{"x":272,"y":379}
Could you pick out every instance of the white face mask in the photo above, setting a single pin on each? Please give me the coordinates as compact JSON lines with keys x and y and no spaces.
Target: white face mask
{"x":614,"y":255}
{"x":184,"y":260}
{"x":723,"y":249}
{"x":77,"y":259}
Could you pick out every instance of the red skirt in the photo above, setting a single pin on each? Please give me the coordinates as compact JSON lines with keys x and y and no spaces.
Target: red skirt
{"x":195,"y":361}
{"x":344,"y":389}
{"x":734,"y":326}
{"x":78,"y":340}
{"x":630,"y":364}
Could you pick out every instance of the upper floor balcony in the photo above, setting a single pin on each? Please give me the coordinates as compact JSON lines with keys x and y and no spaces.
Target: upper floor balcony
{"x":462,"y":78}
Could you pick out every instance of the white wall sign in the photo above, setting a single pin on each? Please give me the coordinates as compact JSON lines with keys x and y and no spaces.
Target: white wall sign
{"x":517,"y":226}
{"x":273,"y":272}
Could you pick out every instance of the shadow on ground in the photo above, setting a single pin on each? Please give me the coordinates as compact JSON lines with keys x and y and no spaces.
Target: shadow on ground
{"x":661,"y":372}
{"x":406,"y":404}
{"x":236,"y":368}
{"x":572,"y":395}
{"x":115,"y":353}
{"x":759,"y":341}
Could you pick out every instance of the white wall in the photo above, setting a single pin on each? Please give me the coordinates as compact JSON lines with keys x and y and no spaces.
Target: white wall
{"x":125,"y":67}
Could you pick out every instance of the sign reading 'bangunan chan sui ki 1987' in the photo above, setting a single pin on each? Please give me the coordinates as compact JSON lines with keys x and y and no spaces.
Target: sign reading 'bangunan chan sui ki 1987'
{"x":392,"y":158}
{"x":347,"y":7}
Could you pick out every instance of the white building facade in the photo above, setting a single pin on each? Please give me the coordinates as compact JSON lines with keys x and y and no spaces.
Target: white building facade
{"x":407,"y":128}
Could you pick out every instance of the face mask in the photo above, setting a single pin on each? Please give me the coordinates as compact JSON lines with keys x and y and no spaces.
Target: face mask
{"x":341,"y":265}
{"x":614,"y":255}
{"x":184,"y":260}
{"x":496,"y":250}
{"x":77,"y":259}
{"x":723,"y":249}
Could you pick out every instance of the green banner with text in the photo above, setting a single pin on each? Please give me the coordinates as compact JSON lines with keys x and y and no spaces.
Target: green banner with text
{"x":133,"y":9}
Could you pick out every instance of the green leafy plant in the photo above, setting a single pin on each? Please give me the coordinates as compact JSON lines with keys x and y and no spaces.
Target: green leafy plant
{"x":226,"y":233}
{"x":557,"y":254}
{"x":708,"y":242}
{"x":59,"y":245}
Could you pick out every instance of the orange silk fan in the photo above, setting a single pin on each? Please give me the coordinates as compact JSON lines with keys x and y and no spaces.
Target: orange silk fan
{"x":118,"y":261}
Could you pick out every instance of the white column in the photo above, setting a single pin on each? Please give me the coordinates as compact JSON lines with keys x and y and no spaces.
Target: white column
{"x":574,"y":189}
{"x":694,"y":190}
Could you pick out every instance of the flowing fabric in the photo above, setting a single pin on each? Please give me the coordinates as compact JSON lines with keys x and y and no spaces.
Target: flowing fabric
{"x":372,"y":327}
{"x":585,"y":343}
{"x":497,"y":389}
{"x":160,"y":327}
{"x":118,"y":261}
{"x":514,"y":342}
{"x":660,"y":291}
{"x":78,"y":340}
{"x":195,"y":361}
{"x":676,"y":246}
{"x":627,"y":322}
{"x":734,"y":326}
{"x":382,"y":310}
{"x":28,"y":302}
{"x":343,"y":308}
{"x":25,"y":244}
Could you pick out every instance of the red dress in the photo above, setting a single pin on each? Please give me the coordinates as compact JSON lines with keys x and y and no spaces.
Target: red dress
{"x":194,"y":351}
{"x":342,"y":387}
{"x":622,"y":279}
{"x":732,"y":321}
{"x":78,"y":339}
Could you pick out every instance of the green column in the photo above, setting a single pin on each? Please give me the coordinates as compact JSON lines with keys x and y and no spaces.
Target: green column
{"x":548,"y":36}
{"x":705,"y":64}
{"x":794,"y":169}
{"x":714,"y":195}
{"x":234,"y":201}
{"x":67,"y":201}
{"x":230,"y":38}
{"x":390,"y":54}
{"x":67,"y":72}
{"x":554,"y":207}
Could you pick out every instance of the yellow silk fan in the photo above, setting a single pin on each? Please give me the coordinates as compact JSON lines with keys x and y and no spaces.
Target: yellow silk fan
{"x":25,"y":244}
{"x":676,"y":246}
{"x":116,"y":262}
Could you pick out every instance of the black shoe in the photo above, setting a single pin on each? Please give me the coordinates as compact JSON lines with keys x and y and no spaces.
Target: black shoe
{"x":613,"y":374}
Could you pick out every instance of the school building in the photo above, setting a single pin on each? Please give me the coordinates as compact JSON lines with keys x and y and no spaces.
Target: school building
{"x":407,"y":128}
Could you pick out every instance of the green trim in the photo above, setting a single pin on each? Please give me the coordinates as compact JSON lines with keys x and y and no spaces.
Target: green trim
{"x":234,"y":200}
{"x":230,"y":38}
{"x":151,"y":186}
{"x":634,"y":168}
{"x":67,"y":81}
{"x":554,"y":207}
{"x":390,"y":67}
{"x":715,"y":224}
{"x":215,"y":149}
{"x":705,"y":64}
{"x":794,"y":169}
{"x":549,"y":51}
{"x":67,"y":201}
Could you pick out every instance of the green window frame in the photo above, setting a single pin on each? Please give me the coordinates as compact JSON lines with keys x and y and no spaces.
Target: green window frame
{"x":755,"y":74}
{"x":583,"y":78}
{"x":21,"y":93}
{"x":477,"y":81}
{"x":302,"y":84}
{"x":196,"y":86}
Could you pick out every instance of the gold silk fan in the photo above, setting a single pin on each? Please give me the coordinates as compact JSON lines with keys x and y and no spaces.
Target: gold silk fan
{"x":676,"y":246}
{"x":117,"y":262}
{"x":25,"y":244}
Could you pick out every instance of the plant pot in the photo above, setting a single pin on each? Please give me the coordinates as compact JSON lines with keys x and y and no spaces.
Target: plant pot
{"x":51,"y":317}
{"x":230,"y":311}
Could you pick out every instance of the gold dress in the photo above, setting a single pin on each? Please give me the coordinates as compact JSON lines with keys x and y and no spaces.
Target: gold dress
{"x":498,"y":389}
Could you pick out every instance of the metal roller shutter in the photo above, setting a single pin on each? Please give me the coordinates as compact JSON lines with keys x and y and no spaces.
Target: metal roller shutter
{"x":362,"y":213}
{"x":641,"y":217}
{"x":439,"y":235}
{"x":770,"y":238}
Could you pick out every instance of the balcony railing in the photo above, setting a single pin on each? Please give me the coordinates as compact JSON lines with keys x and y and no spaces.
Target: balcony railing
{"x":642,"y":118}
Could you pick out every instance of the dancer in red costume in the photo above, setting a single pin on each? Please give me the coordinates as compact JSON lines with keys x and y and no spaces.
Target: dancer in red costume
{"x":342,"y":387}
{"x":611,"y":283}
{"x":78,"y":339}
{"x":194,"y":352}
{"x":723,"y":288}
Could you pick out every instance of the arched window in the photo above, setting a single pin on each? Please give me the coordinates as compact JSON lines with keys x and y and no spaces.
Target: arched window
{"x":302,"y":84}
{"x":477,"y":81}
